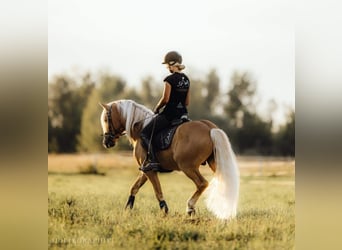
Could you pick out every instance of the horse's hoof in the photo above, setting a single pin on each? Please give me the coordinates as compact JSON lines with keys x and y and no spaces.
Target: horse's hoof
{"x":191,"y":211}
{"x":130,"y":202}
{"x":163,"y":206}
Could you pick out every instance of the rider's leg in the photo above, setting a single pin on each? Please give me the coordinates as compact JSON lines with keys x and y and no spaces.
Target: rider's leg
{"x":156,"y":124}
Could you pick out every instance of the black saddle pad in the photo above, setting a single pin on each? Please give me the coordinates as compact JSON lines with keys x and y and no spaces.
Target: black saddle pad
{"x":163,"y":139}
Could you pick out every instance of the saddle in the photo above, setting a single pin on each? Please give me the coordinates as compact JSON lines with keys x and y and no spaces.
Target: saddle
{"x":163,"y":139}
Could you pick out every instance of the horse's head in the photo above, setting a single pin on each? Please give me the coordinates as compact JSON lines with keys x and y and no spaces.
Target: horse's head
{"x":111,"y":125}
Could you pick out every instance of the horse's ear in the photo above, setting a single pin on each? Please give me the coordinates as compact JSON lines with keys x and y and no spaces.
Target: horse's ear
{"x":104,"y":106}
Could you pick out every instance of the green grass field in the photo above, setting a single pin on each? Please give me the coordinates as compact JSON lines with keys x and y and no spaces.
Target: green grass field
{"x":87,"y":195}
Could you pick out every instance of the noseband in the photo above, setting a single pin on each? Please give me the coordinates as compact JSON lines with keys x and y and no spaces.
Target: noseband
{"x":113,"y":132}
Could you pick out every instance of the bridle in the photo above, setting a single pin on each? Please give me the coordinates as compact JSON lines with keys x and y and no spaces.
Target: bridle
{"x":113,"y":132}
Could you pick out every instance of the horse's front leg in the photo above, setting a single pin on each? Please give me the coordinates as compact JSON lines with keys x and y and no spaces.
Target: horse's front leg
{"x":153,"y":177}
{"x":140,"y":181}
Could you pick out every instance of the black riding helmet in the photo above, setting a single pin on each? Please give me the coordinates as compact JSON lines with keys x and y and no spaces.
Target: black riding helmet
{"x":172,"y":58}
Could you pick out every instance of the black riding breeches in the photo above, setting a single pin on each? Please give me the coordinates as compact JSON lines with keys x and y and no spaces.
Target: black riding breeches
{"x":156,"y":124}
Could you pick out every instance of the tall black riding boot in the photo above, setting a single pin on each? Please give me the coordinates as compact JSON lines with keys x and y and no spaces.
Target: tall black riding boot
{"x":145,"y":142}
{"x":151,"y":162}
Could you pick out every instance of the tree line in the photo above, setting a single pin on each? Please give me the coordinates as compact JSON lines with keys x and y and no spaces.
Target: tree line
{"x":74,"y":113}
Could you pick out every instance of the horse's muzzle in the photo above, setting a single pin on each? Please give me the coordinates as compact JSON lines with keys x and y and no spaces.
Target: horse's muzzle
{"x":108,"y":142}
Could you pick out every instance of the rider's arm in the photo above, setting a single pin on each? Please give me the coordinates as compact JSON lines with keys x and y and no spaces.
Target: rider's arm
{"x":165,"y":98}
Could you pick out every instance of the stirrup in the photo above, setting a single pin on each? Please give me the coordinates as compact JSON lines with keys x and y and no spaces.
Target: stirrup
{"x":150,"y":166}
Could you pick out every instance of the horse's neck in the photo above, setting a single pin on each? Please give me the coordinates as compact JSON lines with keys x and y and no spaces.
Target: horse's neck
{"x":135,"y":117}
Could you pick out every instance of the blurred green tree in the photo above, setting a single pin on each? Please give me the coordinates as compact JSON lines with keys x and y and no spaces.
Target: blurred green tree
{"x":241,"y":97}
{"x":212,"y":90}
{"x":66,"y":100}
{"x":109,"y":88}
{"x":197,"y":104}
{"x":285,"y":138}
{"x":255,"y":136}
{"x":250,"y":133}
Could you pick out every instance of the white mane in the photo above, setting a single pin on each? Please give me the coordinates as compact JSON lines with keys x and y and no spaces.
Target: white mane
{"x":132,"y":113}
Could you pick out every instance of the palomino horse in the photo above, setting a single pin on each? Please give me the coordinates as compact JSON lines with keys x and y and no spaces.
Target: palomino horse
{"x":194,"y":143}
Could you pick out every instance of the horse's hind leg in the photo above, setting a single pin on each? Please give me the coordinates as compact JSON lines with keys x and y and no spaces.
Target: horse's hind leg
{"x":201,"y":184}
{"x":140,"y":181}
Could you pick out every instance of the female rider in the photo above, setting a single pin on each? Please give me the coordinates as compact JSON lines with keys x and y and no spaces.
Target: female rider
{"x":175,"y":99}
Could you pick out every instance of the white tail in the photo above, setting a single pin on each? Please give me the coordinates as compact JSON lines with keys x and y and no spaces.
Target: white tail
{"x":223,"y":191}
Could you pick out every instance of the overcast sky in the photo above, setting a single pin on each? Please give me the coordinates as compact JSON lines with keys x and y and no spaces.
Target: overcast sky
{"x":130,"y":38}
